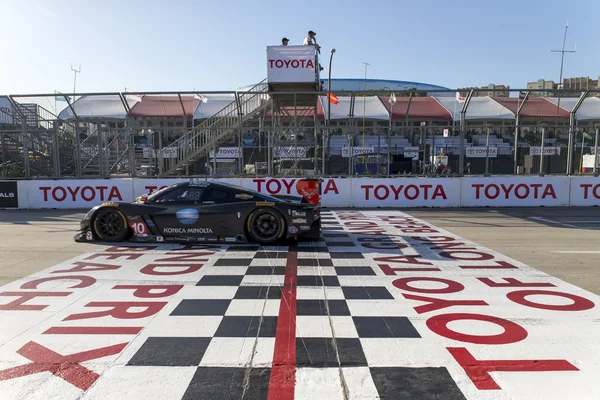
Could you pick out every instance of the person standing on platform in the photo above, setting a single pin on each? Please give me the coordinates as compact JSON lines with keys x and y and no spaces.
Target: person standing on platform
{"x":285,"y":41}
{"x":310,"y":40}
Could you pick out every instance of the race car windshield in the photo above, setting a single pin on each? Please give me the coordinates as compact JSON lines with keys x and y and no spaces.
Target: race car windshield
{"x":159,"y":192}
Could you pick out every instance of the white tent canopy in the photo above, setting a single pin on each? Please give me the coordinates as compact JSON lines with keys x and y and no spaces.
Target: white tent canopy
{"x":101,"y":107}
{"x":214,"y":104}
{"x":371,"y":108}
{"x":479,"y":108}
{"x":589,"y":109}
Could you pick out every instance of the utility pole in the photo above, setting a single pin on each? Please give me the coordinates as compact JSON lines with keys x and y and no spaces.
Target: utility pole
{"x":562,"y":58}
{"x":75,"y":72}
{"x":571,"y":123}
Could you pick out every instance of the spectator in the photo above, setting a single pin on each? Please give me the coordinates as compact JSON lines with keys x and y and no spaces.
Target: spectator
{"x":439,"y":170}
{"x":285,"y":41}
{"x":310,"y":38}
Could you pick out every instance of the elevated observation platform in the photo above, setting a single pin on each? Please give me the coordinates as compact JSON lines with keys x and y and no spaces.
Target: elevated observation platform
{"x":293,"y":75}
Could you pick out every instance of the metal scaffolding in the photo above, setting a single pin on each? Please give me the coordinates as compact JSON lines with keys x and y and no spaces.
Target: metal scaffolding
{"x":260,"y":132}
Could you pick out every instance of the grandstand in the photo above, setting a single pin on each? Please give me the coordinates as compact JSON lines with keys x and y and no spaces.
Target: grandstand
{"x":251,"y":133}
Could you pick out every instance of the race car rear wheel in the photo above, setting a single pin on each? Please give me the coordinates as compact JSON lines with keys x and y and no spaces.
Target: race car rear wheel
{"x":265,"y":226}
{"x":110,"y":225}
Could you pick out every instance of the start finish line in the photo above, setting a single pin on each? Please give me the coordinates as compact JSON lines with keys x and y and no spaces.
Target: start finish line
{"x":384,"y":306}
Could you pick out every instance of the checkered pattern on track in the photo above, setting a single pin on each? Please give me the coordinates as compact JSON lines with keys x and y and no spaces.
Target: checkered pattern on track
{"x":347,"y":322}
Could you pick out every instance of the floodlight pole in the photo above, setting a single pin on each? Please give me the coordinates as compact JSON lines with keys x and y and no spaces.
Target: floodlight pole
{"x":463,"y":112}
{"x":389,"y":133}
{"x":517,"y":129}
{"x":75,"y":72}
{"x":572,"y":137}
{"x":562,"y":57}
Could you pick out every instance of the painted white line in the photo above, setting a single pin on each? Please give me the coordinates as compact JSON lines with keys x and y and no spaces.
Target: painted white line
{"x":578,"y":252}
{"x":552,"y":222}
{"x":585,"y":222}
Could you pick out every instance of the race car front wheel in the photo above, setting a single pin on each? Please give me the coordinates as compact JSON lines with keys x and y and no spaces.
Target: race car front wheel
{"x":265,"y":226}
{"x":110,"y":225}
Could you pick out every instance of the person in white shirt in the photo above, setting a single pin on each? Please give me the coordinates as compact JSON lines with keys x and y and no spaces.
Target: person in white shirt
{"x":310,"y":38}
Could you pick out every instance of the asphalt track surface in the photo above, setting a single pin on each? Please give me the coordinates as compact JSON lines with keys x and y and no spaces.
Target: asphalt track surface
{"x":385,"y":306}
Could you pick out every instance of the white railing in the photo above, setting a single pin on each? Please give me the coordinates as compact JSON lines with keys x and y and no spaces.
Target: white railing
{"x":203,"y":137}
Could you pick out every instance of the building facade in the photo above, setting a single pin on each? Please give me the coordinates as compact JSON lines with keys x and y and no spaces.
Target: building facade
{"x":576,"y":84}
{"x":541,"y":85}
{"x":491,"y":90}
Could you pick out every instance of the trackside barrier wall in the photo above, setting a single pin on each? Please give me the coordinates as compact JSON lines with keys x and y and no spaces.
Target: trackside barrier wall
{"x":341,"y":192}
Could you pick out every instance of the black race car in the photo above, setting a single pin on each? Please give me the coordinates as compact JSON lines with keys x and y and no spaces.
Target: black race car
{"x":207,"y":211}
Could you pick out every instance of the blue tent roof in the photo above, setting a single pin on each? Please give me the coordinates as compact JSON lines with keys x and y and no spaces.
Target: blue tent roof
{"x":344,"y":84}
{"x":380,"y":84}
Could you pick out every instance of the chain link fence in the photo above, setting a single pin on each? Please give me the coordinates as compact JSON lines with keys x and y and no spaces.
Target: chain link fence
{"x":253,"y":134}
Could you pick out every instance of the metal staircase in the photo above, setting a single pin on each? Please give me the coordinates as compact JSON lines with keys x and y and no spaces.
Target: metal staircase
{"x":106,"y":158}
{"x":26,"y":142}
{"x":207,"y":136}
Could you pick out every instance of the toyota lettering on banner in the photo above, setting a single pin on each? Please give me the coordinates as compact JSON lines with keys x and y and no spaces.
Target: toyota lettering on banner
{"x":511,"y":192}
{"x":226,"y":152}
{"x":291,"y":64}
{"x":6,"y":114}
{"x":480,"y":152}
{"x":334,"y":192}
{"x":406,"y":192}
{"x":548,"y":151}
{"x":167,"y":152}
{"x":358,"y":151}
{"x":77,"y":193}
{"x":507,"y":191}
{"x":585,"y":191}
{"x":290,"y":152}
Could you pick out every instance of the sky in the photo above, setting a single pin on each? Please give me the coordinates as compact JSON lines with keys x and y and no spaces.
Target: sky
{"x":159,"y":45}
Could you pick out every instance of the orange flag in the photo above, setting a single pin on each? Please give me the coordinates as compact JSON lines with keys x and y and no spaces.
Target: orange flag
{"x":333,"y":98}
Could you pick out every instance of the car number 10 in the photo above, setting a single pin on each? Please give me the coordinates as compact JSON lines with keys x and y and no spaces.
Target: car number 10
{"x":139,"y":228}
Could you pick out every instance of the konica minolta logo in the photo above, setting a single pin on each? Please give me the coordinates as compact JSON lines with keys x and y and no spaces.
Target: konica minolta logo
{"x":188,"y":230}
